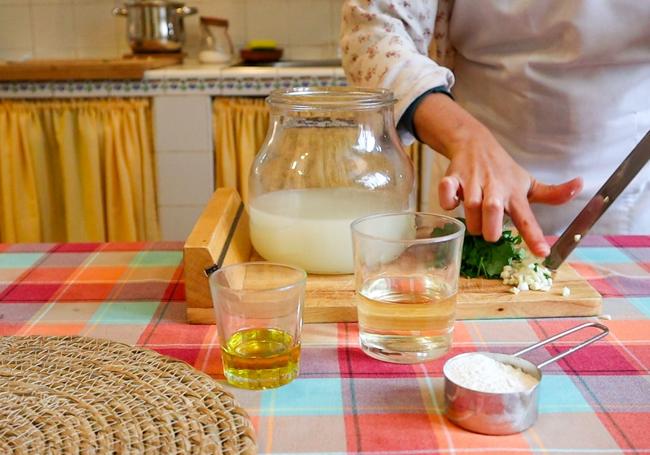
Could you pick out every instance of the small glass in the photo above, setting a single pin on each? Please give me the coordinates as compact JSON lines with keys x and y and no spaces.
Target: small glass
{"x":406,"y":268}
{"x":258,"y":307}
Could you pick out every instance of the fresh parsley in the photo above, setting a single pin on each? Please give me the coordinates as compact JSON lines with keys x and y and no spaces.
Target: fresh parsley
{"x":487,"y":259}
{"x":482,"y":258}
{"x":448,"y":228}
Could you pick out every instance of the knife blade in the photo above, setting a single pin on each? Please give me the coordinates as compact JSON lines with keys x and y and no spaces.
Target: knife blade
{"x":598,"y":204}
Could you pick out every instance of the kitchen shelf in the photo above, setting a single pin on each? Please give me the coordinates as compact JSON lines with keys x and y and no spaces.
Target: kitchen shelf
{"x":82,"y":69}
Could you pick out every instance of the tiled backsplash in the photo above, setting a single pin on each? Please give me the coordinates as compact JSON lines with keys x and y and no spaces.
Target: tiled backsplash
{"x":306,"y":29}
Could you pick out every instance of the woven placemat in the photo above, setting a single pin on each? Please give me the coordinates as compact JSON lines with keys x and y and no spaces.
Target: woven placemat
{"x":83,"y":395}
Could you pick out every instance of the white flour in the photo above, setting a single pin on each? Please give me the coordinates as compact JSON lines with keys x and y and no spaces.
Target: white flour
{"x":482,"y":373}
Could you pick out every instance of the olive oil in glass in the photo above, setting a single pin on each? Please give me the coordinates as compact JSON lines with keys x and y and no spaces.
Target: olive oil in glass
{"x":260,"y":358}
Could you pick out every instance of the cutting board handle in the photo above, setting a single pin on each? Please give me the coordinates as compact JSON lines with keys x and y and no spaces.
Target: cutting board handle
{"x":219,"y":237}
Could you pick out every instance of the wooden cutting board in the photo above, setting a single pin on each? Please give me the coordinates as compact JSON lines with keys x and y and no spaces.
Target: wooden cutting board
{"x":82,"y":69}
{"x":221,"y":236}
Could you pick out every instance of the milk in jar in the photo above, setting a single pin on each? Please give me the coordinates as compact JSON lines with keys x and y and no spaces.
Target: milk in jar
{"x":311,"y":228}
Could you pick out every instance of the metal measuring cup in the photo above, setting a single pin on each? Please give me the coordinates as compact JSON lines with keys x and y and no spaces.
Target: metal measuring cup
{"x":505,"y":413}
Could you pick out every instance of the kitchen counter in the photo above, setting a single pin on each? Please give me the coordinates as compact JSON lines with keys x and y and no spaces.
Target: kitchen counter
{"x":183,"y":123}
{"x":595,"y":401}
{"x":189,"y":78}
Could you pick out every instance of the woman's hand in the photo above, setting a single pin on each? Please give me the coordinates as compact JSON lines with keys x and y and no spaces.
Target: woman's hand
{"x":483,"y":176}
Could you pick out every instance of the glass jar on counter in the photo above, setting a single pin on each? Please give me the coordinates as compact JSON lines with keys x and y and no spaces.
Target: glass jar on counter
{"x":216,"y":45}
{"x":331,"y":155}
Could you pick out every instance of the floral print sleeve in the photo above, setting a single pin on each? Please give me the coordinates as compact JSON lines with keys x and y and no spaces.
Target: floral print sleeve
{"x":385,"y":44}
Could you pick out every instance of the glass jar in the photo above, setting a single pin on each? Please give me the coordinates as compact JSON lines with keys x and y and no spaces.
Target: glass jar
{"x":331,"y":155}
{"x":216,"y":45}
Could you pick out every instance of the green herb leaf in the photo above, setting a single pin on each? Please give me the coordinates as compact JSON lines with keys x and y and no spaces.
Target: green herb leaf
{"x":448,"y":228}
{"x":487,"y":259}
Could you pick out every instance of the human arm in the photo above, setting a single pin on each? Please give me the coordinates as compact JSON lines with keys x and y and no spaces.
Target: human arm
{"x":482,"y":174}
{"x":385,"y":44}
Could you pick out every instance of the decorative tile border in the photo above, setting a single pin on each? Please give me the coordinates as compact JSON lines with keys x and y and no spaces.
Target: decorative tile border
{"x":228,"y":84}
{"x":340,"y":81}
{"x":78,"y":89}
{"x":193,"y":85}
{"x":25,"y":90}
{"x":247,"y":86}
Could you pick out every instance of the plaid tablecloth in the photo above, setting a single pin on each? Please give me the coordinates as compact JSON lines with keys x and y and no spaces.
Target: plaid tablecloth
{"x":595,"y":401}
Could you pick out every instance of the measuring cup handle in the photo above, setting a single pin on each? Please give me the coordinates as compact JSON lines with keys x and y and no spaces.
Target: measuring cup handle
{"x":603,"y":333}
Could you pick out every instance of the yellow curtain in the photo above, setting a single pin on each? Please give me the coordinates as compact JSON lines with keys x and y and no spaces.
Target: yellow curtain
{"x":415,"y":152}
{"x":77,"y":170}
{"x":240,"y":126}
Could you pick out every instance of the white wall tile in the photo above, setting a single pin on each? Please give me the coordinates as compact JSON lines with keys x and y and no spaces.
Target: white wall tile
{"x":207,"y":7}
{"x":55,"y":53}
{"x":95,"y":25}
{"x":50,"y":28}
{"x":326,"y":51}
{"x":185,"y":178}
{"x":232,"y":10}
{"x":182,"y":123}
{"x":121,"y":36}
{"x":235,"y":11}
{"x":192,"y":35}
{"x":55,"y":27}
{"x":97,"y":52}
{"x":48,"y":2}
{"x":176,"y":222}
{"x":310,"y":22}
{"x":335,"y":29}
{"x":15,"y":27}
{"x":268,"y":19}
{"x":19,"y":54}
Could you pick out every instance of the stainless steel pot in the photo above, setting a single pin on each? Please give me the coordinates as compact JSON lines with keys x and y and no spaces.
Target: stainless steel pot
{"x":155,"y":25}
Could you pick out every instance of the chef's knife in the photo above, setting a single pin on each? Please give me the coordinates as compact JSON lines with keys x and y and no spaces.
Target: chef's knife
{"x":614,"y":185}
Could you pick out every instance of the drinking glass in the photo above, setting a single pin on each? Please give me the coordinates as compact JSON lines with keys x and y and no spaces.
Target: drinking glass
{"x":258,"y":307}
{"x":406,"y":268}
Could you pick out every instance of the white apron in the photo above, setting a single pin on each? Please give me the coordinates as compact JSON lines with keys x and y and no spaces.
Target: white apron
{"x":564,"y":85}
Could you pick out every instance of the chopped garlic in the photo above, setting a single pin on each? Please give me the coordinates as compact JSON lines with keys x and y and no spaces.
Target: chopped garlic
{"x":566,"y":292}
{"x":515,"y":290}
{"x":527,"y":276}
